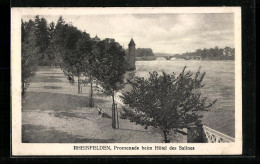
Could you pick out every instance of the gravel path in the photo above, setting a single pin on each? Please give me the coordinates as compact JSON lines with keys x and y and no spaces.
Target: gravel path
{"x":53,"y":112}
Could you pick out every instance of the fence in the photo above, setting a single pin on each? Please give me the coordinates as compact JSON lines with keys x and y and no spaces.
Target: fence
{"x":214,"y":136}
{"x":118,"y":99}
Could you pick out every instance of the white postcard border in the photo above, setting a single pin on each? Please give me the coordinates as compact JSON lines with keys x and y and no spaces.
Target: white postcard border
{"x":31,"y":149}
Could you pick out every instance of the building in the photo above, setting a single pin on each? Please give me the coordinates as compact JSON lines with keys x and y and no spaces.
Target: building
{"x":130,"y":56}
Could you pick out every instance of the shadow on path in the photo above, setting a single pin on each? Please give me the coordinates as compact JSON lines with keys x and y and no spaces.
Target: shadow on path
{"x":41,"y":134}
{"x":55,"y":101}
{"x":51,"y":87}
{"x":47,"y":79}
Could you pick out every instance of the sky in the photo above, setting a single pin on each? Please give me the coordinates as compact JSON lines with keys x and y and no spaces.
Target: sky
{"x":165,"y":33}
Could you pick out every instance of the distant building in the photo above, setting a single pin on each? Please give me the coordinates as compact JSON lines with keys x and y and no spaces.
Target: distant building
{"x":130,"y":56}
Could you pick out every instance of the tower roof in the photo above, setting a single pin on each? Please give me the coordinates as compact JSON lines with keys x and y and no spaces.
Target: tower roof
{"x":131,"y":42}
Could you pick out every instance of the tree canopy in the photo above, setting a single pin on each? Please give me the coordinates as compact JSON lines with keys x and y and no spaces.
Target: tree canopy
{"x":144,"y":52}
{"x":166,"y":101}
{"x":30,"y":51}
{"x":109,"y":64}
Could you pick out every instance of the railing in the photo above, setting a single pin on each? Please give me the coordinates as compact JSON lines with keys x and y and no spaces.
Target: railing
{"x":118,"y":99}
{"x":214,"y":136}
{"x":117,"y":95}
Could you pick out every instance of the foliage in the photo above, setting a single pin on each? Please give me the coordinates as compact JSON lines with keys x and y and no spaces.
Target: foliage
{"x":42,"y":34}
{"x":166,"y":101}
{"x":30,"y":51}
{"x":109,"y":65}
{"x":216,"y":53}
{"x":144,"y":52}
{"x":58,"y":36}
{"x":42,"y":39}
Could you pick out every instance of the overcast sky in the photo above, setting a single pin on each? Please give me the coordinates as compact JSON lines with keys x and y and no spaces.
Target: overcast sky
{"x":167,"y":33}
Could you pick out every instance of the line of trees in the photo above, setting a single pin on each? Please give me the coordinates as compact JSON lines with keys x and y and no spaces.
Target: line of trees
{"x":76,"y":53}
{"x":144,"y":52}
{"x":30,"y":51}
{"x":216,"y":53}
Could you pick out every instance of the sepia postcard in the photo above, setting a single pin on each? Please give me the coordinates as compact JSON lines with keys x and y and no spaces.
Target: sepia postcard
{"x":126,"y":81}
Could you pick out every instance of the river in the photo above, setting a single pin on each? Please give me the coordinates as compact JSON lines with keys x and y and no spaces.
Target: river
{"x":219,"y":84}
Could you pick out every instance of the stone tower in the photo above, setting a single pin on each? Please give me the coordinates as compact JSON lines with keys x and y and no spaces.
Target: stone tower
{"x":130,"y":56}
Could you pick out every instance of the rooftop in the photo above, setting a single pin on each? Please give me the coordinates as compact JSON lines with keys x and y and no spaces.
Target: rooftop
{"x":131,"y":42}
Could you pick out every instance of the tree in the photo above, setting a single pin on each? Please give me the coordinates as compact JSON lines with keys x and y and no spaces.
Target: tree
{"x":30,"y":51}
{"x":42,"y":38}
{"x":85,"y":48}
{"x":110,"y":69}
{"x":73,"y":59}
{"x":166,"y":101}
{"x":57,"y":39}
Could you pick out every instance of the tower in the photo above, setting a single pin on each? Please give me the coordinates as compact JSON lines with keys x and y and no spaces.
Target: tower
{"x":130,"y":56}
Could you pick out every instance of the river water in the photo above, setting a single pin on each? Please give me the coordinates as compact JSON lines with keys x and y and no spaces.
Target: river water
{"x":219,"y":84}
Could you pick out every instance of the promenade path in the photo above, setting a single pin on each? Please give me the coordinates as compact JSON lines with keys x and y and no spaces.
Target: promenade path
{"x":54,"y":112}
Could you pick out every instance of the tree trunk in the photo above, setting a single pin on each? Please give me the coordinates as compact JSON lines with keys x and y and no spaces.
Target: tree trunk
{"x":78,"y":84}
{"x":23,"y":87}
{"x":117,"y":121}
{"x":91,"y":102}
{"x":165,"y":137}
{"x":113,"y":111}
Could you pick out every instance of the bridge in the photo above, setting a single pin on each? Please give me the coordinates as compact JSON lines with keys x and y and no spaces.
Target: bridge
{"x":170,"y":57}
